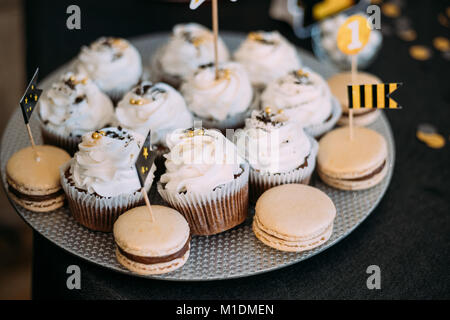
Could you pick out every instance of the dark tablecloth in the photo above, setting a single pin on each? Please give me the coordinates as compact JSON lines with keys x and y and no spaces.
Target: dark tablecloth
{"x":408,"y":235}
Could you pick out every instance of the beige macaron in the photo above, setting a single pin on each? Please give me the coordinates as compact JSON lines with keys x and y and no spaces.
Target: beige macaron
{"x":294,"y":217}
{"x":338,"y":86}
{"x":152,"y":247}
{"x":34,"y":180}
{"x":352,"y":164}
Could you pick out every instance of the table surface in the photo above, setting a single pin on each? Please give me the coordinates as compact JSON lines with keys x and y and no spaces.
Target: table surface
{"x":408,"y":234}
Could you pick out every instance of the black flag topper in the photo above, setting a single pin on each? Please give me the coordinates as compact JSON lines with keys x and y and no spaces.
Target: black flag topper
{"x":30,"y":98}
{"x":145,"y":160}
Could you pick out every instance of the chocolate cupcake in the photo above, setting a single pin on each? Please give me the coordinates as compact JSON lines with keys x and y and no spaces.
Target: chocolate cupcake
{"x":278,"y":151}
{"x":156,"y":107}
{"x":305,"y":99}
{"x":101,"y":181}
{"x":72,"y":107}
{"x":205,"y":180}
{"x":222,"y":103}
{"x":266,"y":57}
{"x":113,"y":64}
{"x":190,"y":46}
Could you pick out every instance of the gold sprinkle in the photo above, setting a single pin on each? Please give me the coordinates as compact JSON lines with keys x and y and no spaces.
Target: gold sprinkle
{"x":407,"y":35}
{"x":84,"y":81}
{"x":72,"y":79}
{"x":226,"y":74}
{"x":421,"y":53}
{"x":198,"y":41}
{"x":280,"y":111}
{"x":390,"y":10}
{"x":190,"y":133}
{"x":441,"y":44}
{"x":137,"y":102}
{"x":255,"y":36}
{"x":443,"y":20}
{"x":96,"y":136}
{"x":433,"y":140}
{"x":268,"y":110}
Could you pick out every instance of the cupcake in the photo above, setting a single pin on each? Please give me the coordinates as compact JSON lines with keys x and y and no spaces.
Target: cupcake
{"x":220,"y":103}
{"x":156,"y":107}
{"x":267,"y":56}
{"x":73,"y":106}
{"x":190,"y":46}
{"x":277,"y":149}
{"x":113,"y":64}
{"x":305,"y":99}
{"x":101,"y":181}
{"x":328,"y":34}
{"x":205,"y":180}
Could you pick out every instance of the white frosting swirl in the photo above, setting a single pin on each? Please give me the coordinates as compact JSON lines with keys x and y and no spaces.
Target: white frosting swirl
{"x":157,"y":107}
{"x":272,"y":144}
{"x":74,"y":105}
{"x":199,"y":163}
{"x":303,"y":94}
{"x":217,"y":99}
{"x":267,"y":56}
{"x":106,"y":166}
{"x":114,"y":64}
{"x":190,"y":46}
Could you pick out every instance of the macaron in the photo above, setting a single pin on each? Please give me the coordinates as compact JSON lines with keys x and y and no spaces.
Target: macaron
{"x":294,"y":217}
{"x":34,"y":179}
{"x":352,"y":164}
{"x":338,"y":86}
{"x":149,"y":247}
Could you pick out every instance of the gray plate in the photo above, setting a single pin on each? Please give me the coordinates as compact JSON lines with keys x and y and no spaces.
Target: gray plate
{"x":232,"y":254}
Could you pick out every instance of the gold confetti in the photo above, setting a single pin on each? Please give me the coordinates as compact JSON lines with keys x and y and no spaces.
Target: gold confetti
{"x":432,"y":140}
{"x":421,"y":53}
{"x":441,"y":44}
{"x":407,"y":35}
{"x":390,"y":10}
{"x":443,"y":20}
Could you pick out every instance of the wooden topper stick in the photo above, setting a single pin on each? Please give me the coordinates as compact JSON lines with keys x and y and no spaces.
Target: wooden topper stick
{"x":215,"y":18}
{"x":33,"y":144}
{"x":354,"y":74}
{"x":147,"y":203}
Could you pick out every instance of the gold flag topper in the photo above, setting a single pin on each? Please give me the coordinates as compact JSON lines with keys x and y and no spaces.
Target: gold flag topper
{"x":196,"y":3}
{"x":373,"y":96}
{"x":145,"y":160}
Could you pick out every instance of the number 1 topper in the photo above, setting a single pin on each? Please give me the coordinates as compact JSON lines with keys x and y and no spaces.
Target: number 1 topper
{"x":353,"y":34}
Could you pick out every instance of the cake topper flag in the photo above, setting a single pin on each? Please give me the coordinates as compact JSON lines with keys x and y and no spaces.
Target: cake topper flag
{"x":30,"y":98}
{"x":143,"y":165}
{"x":196,"y":3}
{"x":27,"y":104}
{"x":372,"y":96}
{"x":145,"y":160}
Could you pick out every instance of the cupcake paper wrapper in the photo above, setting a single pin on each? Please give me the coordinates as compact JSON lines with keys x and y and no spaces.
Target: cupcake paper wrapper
{"x":232,"y":122}
{"x":54,"y":138}
{"x":97,"y":213}
{"x":260,"y":182}
{"x":218,"y":211}
{"x":319,"y":129}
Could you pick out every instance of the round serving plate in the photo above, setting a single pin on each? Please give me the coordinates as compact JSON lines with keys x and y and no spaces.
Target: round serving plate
{"x":232,"y":254}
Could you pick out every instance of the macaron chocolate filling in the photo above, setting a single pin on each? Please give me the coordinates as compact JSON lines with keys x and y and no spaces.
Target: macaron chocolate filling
{"x":370,"y":175}
{"x":35,"y":198}
{"x":155,"y":260}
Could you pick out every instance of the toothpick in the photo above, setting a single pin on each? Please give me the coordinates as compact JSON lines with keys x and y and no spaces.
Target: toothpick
{"x":33,"y":144}
{"x":354,"y":73}
{"x":147,"y":203}
{"x":215,"y":18}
